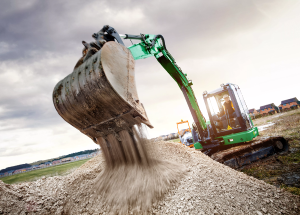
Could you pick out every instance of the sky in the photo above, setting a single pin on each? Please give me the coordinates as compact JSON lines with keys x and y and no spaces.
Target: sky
{"x":252,"y":43}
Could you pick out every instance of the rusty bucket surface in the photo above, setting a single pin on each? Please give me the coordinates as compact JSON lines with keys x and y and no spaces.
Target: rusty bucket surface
{"x":99,"y":97}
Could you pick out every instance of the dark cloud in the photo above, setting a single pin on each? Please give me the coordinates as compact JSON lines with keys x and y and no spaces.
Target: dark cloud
{"x":59,"y":26}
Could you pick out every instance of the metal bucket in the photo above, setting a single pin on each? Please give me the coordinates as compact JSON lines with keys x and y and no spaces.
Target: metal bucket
{"x":99,"y":97}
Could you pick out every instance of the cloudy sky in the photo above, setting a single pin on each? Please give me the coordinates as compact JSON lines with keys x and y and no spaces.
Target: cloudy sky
{"x":252,"y":43}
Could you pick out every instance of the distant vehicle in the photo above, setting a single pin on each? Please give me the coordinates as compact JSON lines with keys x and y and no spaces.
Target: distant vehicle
{"x":185,"y":135}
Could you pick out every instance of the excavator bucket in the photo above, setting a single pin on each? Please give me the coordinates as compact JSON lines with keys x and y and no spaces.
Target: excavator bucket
{"x":100,"y":99}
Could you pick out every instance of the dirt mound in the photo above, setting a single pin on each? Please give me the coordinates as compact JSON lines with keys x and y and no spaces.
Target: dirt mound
{"x":207,"y":187}
{"x":129,"y":187}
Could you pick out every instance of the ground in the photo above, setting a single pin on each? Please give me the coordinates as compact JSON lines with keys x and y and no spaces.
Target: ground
{"x":282,"y":170}
{"x":63,"y":169}
{"x":204,"y":187}
{"x":175,"y":140}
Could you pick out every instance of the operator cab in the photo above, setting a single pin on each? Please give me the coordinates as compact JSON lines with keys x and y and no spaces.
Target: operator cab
{"x":227,"y":110}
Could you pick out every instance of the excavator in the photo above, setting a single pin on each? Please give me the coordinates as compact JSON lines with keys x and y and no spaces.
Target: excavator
{"x":188,"y":142}
{"x":100,"y":99}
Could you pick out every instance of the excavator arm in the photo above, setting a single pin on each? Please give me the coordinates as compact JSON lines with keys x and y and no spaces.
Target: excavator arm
{"x":154,"y":45}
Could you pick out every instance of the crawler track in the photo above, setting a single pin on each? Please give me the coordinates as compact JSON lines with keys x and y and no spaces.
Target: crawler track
{"x":249,"y":152}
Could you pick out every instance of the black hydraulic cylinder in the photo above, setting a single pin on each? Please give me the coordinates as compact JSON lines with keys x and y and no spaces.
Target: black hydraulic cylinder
{"x":133,"y":37}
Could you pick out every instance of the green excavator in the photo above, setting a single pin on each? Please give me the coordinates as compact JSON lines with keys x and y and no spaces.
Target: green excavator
{"x":100,"y":99}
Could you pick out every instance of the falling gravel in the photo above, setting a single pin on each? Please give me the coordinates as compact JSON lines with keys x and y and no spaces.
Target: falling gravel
{"x":202,"y":186}
{"x":132,"y":179}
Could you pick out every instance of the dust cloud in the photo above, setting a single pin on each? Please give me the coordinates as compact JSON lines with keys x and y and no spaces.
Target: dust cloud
{"x":132,"y":179}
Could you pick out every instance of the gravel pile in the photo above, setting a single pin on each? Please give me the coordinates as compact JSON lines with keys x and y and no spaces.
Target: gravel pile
{"x":203,"y":186}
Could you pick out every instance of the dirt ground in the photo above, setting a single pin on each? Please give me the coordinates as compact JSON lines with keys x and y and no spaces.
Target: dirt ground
{"x":281,"y":170}
{"x":206,"y":187}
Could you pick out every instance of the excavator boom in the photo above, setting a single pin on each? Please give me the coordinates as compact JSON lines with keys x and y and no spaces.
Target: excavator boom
{"x":154,"y":45}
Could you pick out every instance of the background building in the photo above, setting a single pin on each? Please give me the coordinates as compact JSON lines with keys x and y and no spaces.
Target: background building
{"x":289,"y":104}
{"x":268,"y":109}
{"x":253,"y":112}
